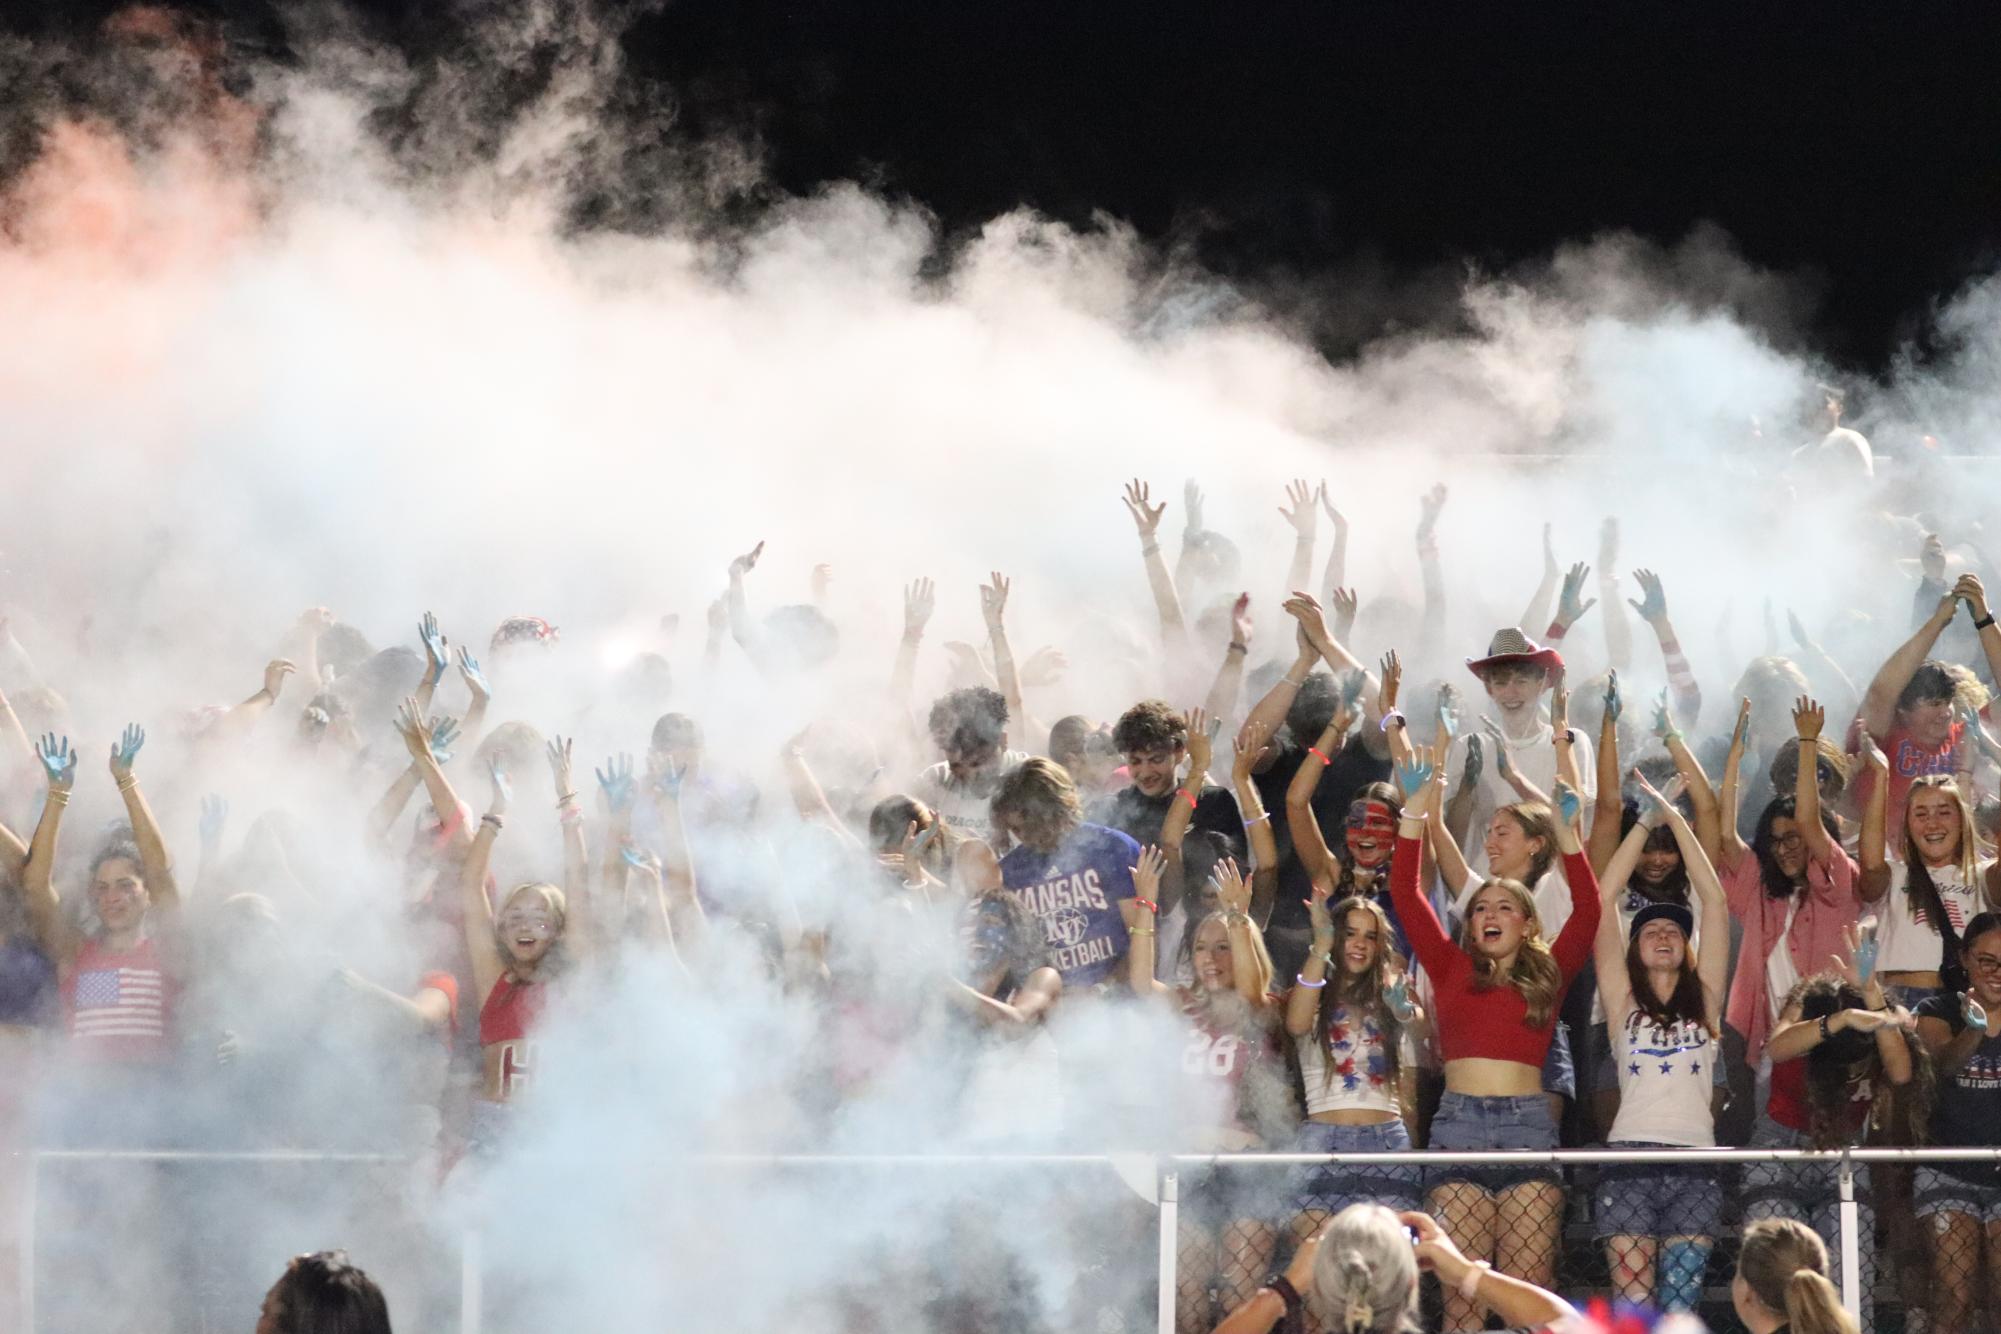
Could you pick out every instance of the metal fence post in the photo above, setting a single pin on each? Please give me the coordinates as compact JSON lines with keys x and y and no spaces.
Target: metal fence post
{"x":1851,"y":1239}
{"x":1170,"y":1245}
{"x":469,"y":1291}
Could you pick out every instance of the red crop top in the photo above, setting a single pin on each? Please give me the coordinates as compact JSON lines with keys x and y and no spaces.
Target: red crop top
{"x":511,"y":1009}
{"x":1490,"y":1024}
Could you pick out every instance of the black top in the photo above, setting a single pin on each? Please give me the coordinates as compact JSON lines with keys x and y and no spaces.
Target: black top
{"x":1133,"y":813}
{"x":1967,"y":1112}
{"x":1353,"y":767}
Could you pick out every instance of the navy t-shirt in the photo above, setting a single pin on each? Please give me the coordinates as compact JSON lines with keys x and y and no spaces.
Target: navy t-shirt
{"x":1075,"y":892}
{"x":1967,"y":1113}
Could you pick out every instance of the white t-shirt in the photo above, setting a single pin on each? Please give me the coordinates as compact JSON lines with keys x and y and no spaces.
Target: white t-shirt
{"x":1534,"y":758}
{"x":1906,"y":942}
{"x":1665,"y":1081}
{"x":1623,"y":906}
{"x":1361,"y":1074}
{"x":966,"y":805}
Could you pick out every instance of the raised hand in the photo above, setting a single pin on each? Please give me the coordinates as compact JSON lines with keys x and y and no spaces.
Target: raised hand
{"x":1232,"y":890}
{"x":1146,"y":874}
{"x":1241,"y":624}
{"x":1191,"y":506}
{"x":1448,"y":715}
{"x":1201,"y":740}
{"x":1931,"y":559}
{"x":640,"y":859}
{"x":1970,"y":591}
{"x":1608,"y":543}
{"x":668,"y":777}
{"x":416,"y":733}
{"x":615,"y":784}
{"x":1550,"y":568}
{"x":1476,"y":760}
{"x":435,"y":651}
{"x":58,"y":761}
{"x":1415,"y":775}
{"x":1860,"y":964}
{"x":1430,"y":505}
{"x":747,"y":562}
{"x":1318,"y":899}
{"x":1662,"y":801}
{"x":1305,"y":609}
{"x":1304,"y":516}
{"x":558,"y":750}
{"x":1045,"y":667}
{"x":1568,"y":803}
{"x":275,"y":672}
{"x":1664,"y":728}
{"x":503,"y":790}
{"x":1800,"y":637}
{"x":1652,"y":602}
{"x":1504,"y":763}
{"x":1392,"y":678}
{"x":470,"y":673}
{"x":1327,"y":503}
{"x":993,"y":599}
{"x":1614,"y":702}
{"x":1146,"y":516}
{"x":1971,"y":1012}
{"x":1808,"y":718}
{"x":1571,"y":603}
{"x":125,"y":751}
{"x":1250,"y":744}
{"x":214,"y":818}
{"x":1873,"y":756}
{"x":1559,"y":705}
{"x":444,"y":731}
{"x":1397,"y":998}
{"x":1346,"y":604}
{"x":920,"y":599}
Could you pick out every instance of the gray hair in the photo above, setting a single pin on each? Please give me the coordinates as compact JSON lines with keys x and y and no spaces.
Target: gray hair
{"x":1365,"y":1273}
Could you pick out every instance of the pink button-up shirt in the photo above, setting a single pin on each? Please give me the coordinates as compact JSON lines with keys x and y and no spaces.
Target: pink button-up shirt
{"x":1829,"y":907}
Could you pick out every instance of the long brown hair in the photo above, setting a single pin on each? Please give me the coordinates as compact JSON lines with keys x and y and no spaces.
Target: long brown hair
{"x":1535,"y":972}
{"x":1834,"y":1066}
{"x":1360,"y":994}
{"x":1684,"y":1006}
{"x":1536,"y":820}
{"x":1784,"y":1263}
{"x":1919,"y":887}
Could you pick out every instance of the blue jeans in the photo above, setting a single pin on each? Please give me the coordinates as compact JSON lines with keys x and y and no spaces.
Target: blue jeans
{"x":1469,"y":1123}
{"x":1810,"y":1193}
{"x":1332,"y":1187}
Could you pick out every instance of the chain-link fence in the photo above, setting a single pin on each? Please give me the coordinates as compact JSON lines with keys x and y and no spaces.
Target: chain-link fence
{"x":1915,"y":1235}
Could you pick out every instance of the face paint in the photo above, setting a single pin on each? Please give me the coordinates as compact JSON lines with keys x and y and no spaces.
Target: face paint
{"x":1371,"y":833}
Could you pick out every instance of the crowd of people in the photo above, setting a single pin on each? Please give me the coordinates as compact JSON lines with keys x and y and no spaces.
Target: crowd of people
{"x":1388,"y":898}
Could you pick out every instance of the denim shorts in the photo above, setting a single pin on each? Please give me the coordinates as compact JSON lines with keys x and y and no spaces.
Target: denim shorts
{"x":1939,"y":1192}
{"x":1332,"y":1187}
{"x":1469,"y":1123}
{"x":1799,"y":1188}
{"x":1657,"y":1199}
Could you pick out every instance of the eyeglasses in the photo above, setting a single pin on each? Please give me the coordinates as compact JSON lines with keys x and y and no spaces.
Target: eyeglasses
{"x":1986,"y":963}
{"x":1789,"y":842}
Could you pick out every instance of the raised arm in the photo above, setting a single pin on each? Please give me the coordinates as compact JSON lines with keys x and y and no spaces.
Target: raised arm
{"x":420,"y":739}
{"x":1873,"y":851}
{"x":1730,"y":847}
{"x":1561,"y":737}
{"x":1572,"y":946}
{"x":1653,"y":609}
{"x":1879,"y":702}
{"x":1453,"y":872}
{"x":1257,"y":827}
{"x":38,"y":893}
{"x":1969,"y":591}
{"x":1808,"y":719}
{"x":678,"y":864}
{"x":153,"y":856}
{"x":1362,"y":683}
{"x":1618,"y":634}
{"x":1537,"y":612}
{"x":1712,"y":954}
{"x":1336,"y":576}
{"x":1571,"y":603}
{"x":1609,"y":950}
{"x":481,"y":947}
{"x":576,"y":857}
{"x":920,"y":599}
{"x":993,"y":610}
{"x":1235,"y":897}
{"x":1302,"y":999}
{"x":1181,"y":809}
{"x":1221,"y":703}
{"x":383,"y":815}
{"x":1141,"y":912}
{"x":1430,"y":506}
{"x":1304,"y":516}
{"x":437,"y":660}
{"x":1822,"y":669}
{"x":742,"y":629}
{"x":1708,"y":814}
{"x":481,"y":693}
{"x":1309,"y":842}
{"x":1268,"y":714}
{"x":244,"y":716}
{"x":1428,"y":941}
{"x":616,"y":793}
{"x":1146,"y":518}
{"x":1608,"y":809}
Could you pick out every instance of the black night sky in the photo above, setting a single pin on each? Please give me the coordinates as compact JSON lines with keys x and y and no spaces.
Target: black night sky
{"x":1856,"y":145}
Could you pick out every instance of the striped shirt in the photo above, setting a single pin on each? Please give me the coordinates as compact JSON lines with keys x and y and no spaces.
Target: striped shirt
{"x":117,"y":1003}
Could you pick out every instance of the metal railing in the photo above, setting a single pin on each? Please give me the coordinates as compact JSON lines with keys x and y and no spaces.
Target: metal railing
{"x":1155,"y":1179}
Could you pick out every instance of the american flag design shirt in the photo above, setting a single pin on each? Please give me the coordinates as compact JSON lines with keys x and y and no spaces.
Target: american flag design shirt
{"x":118,"y":1004}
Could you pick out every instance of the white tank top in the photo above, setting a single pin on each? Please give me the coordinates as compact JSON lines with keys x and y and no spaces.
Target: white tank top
{"x":1907,"y":943}
{"x":1665,"y":1082}
{"x":1361,"y":1073}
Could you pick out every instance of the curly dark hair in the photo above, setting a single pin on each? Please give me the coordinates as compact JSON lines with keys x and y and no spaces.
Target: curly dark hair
{"x":324,"y":1293}
{"x":1834,"y":1065}
{"x":1151,"y":724}
{"x":973,"y":717}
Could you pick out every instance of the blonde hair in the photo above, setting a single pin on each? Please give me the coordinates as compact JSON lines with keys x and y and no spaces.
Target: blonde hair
{"x":1534,"y":974}
{"x":555,"y":959}
{"x":1042,"y":796}
{"x":1784,"y":1263}
{"x":1260,"y":956}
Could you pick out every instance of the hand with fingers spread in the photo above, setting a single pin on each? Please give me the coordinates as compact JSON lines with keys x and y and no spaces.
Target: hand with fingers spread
{"x":1346,"y":604}
{"x":1660,"y":803}
{"x":1664,"y":728}
{"x":1392,"y":682}
{"x":747,"y":562}
{"x":125,"y":751}
{"x":1140,"y":909}
{"x":1863,"y":946}
{"x":1319,"y":899}
{"x":1334,"y":515}
{"x":559,"y":750}
{"x":1304,"y":514}
{"x":1447,"y":720}
{"x":444,"y":731}
{"x":1201,"y":743}
{"x":1241,"y":623}
{"x":1971,"y":1012}
{"x":920,"y":599}
{"x":475,"y":679}
{"x":1398,"y":1000}
{"x":58,"y":761}
{"x":1250,"y":744}
{"x":416,"y":733}
{"x":1651,"y":605}
{"x":1415,"y":776}
{"x":615,"y":785}
{"x":1808,"y":719}
{"x":1568,"y":804}
{"x":1571,"y":603}
{"x":1504,"y":763}
{"x":667,"y":778}
{"x":993,"y":600}
{"x":1233,"y":892}
{"x":1191,"y":506}
{"x":1476,"y":761}
{"x":1430,"y":505}
{"x":1146,"y":515}
{"x":436,"y":654}
{"x":1045,"y":667}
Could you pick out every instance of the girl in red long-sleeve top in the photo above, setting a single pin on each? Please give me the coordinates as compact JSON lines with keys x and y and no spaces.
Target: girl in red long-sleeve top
{"x":1497,"y":990}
